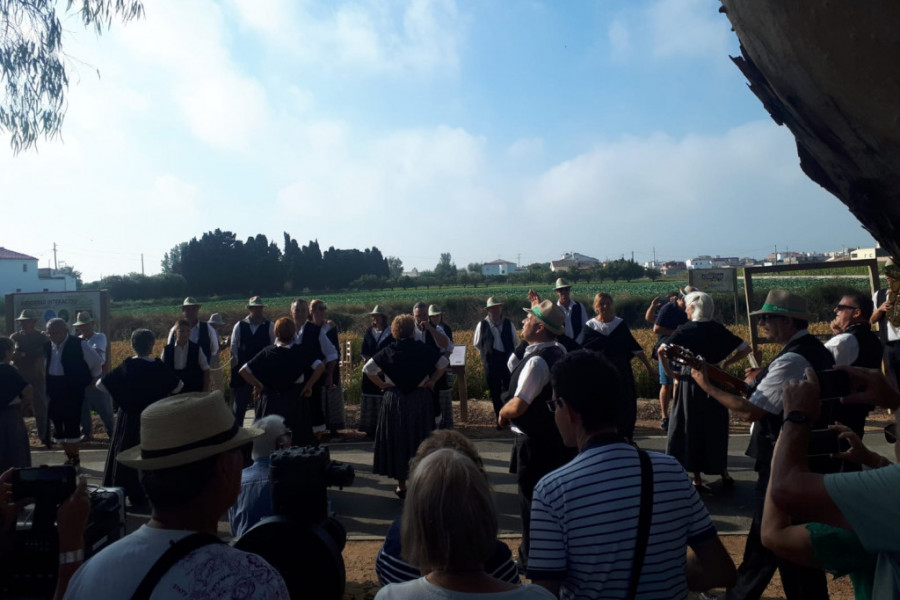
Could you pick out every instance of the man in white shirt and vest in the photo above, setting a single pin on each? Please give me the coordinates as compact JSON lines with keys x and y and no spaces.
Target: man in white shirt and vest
{"x":495,"y":338}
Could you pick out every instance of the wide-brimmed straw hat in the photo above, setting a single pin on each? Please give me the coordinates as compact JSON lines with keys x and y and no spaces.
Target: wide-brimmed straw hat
{"x":190,"y":301}
{"x":255,"y":301}
{"x":891,"y":270}
{"x":27,"y":315}
{"x":550,"y":315}
{"x":783,"y":303}
{"x":378,"y":311}
{"x":562,"y":284}
{"x":216,"y":319}
{"x":493,"y":302}
{"x":83,"y":318}
{"x":433,"y":310}
{"x":184,"y":429}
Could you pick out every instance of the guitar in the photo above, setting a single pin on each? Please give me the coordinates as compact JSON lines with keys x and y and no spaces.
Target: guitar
{"x":682,"y":357}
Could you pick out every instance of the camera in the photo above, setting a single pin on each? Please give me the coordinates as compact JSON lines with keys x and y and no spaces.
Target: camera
{"x":302,"y":541}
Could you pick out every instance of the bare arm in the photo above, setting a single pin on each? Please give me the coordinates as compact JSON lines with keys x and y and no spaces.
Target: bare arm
{"x":709,"y":565}
{"x":250,"y":378}
{"x":737,"y":357}
{"x":650,"y":315}
{"x":784,"y":539}
{"x":440,"y":338}
{"x":514,"y":408}
{"x":662,"y":330}
{"x":72,"y":517}
{"x":314,"y":376}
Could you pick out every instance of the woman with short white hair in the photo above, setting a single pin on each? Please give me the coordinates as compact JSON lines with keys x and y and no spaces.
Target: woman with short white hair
{"x":698,"y":430}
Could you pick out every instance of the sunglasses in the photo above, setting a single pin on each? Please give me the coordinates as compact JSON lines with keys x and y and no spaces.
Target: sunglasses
{"x":890,"y":433}
{"x":845,"y":307}
{"x":554,"y":404}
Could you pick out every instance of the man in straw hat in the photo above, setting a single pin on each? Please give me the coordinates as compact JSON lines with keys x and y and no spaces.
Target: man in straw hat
{"x":576,"y":314}
{"x":94,"y":399}
{"x":28,"y":358}
{"x":495,"y":338}
{"x":784,"y":318}
{"x":190,"y":458}
{"x":248,"y":338}
{"x":538,"y":447}
{"x":202,"y":334}
{"x":377,"y":337}
{"x":884,"y":301}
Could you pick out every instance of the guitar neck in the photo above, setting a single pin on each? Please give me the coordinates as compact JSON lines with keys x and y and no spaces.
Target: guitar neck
{"x":721,"y":378}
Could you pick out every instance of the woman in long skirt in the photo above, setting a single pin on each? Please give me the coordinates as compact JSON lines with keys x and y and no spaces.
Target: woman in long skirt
{"x":406,"y":371}
{"x":698,"y":430}
{"x":134,"y":385}
{"x":15,"y":396}
{"x":286,"y":374}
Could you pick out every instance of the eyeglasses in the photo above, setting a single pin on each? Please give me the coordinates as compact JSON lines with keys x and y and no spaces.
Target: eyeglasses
{"x":845,"y":307}
{"x":890,"y":433}
{"x":554,"y":404}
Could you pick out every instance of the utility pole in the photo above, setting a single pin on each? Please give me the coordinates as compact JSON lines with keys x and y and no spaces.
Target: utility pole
{"x":654,"y":256}
{"x":519,"y":261}
{"x":142,"y":263}
{"x":55,"y":266}
{"x":632,"y":256}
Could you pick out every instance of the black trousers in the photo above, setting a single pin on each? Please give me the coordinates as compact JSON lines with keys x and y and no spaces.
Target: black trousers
{"x":64,"y":407}
{"x":532,"y":458}
{"x":497,"y":374}
{"x":759,"y":564}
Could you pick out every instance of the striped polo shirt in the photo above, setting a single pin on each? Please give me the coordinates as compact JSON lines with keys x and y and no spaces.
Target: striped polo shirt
{"x":584,"y":521}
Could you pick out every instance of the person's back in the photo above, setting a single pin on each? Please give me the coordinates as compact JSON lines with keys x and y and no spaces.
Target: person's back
{"x":585,"y":517}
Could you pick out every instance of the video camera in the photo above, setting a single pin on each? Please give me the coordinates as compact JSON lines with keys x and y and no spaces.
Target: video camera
{"x":30,"y":569}
{"x":302,"y":541}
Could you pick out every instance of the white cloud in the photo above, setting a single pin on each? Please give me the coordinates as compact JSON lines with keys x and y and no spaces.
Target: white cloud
{"x":366,"y":35}
{"x":526,"y":148}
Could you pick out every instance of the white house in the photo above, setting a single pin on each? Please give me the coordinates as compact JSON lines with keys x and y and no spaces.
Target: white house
{"x":498,"y":267}
{"x":701,"y":262}
{"x":573,"y":260}
{"x":19,"y":273}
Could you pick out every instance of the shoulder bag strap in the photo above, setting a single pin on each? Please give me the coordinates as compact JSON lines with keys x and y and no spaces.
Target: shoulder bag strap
{"x":175,"y":553}
{"x":644,"y":518}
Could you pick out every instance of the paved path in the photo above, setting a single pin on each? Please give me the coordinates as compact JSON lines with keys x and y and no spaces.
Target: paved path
{"x":369,"y":506}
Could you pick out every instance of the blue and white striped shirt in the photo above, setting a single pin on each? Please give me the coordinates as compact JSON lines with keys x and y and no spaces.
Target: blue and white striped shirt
{"x":584,"y":520}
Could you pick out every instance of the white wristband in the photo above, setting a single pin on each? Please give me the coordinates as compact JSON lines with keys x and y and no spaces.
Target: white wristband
{"x":73,"y":556}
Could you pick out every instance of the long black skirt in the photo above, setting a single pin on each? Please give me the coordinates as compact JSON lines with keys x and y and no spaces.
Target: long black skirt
{"x":405,"y":420}
{"x":698,"y":430}
{"x":294,"y":408}
{"x":127,"y":433}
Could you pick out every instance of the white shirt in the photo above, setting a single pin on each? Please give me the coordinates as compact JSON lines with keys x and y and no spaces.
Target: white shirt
{"x":99,"y":343}
{"x":325,"y":344}
{"x":180,"y":356}
{"x":844,"y":347}
{"x":91,"y":358}
{"x":893,"y":334}
{"x":783,"y":370}
{"x":535,"y":374}
{"x":195,"y":337}
{"x":236,"y":335}
{"x":497,"y":331}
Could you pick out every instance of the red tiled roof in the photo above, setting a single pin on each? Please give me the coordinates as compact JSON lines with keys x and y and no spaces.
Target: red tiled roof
{"x":12,"y":255}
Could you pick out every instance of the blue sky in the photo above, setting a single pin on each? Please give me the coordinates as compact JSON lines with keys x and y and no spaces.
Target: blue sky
{"x":487,"y":129}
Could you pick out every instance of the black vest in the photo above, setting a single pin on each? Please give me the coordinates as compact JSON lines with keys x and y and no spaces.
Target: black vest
{"x":765,"y":433}
{"x":76,"y":371}
{"x":310,"y":340}
{"x":191,"y":375}
{"x":870,"y":348}
{"x":203,"y":338}
{"x":486,"y":341}
{"x":249,"y":345}
{"x":577,"y":318}
{"x":537,"y":421}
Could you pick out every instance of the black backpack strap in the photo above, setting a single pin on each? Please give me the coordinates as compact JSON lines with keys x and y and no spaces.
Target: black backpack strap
{"x":644,"y":518}
{"x":175,"y":553}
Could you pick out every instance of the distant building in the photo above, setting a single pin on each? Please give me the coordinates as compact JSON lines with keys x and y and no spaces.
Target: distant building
{"x":869,"y":253}
{"x":673,"y":267}
{"x":19,"y":273}
{"x":573,"y":260}
{"x":414,"y":272}
{"x":701,"y":262}
{"x":498,"y":267}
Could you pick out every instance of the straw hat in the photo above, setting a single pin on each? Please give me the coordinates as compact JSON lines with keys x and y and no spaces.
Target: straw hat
{"x":785,"y":304}
{"x":255,"y":301}
{"x":433,"y":310}
{"x":190,"y":301}
{"x":561,"y":284}
{"x":183,"y":429}
{"x":550,"y":315}
{"x":216,"y":319}
{"x":27,"y":315}
{"x":378,"y":311}
{"x":493,"y":302}
{"x":83,"y":318}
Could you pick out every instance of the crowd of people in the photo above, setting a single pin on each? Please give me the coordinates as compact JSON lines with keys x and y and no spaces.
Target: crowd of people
{"x":600,"y":516}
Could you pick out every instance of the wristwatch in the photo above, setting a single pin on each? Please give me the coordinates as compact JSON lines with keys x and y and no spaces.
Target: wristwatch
{"x":797,"y":416}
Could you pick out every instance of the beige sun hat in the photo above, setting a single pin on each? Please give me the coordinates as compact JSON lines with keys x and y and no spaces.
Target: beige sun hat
{"x":255,"y":301}
{"x":190,"y":301}
{"x":493,"y":302}
{"x":783,"y":303}
{"x":378,"y":311}
{"x":434,"y":310}
{"x":183,"y":429}
{"x":562,"y":284}
{"x":550,"y":315}
{"x":216,"y":319}
{"x":83,"y":318}
{"x":27,"y":315}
